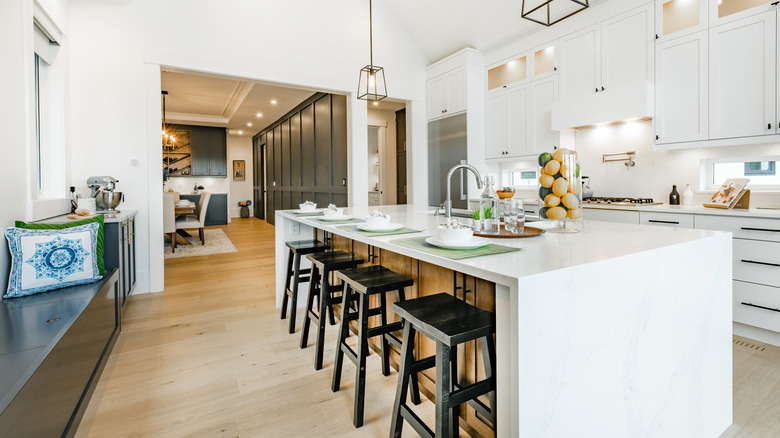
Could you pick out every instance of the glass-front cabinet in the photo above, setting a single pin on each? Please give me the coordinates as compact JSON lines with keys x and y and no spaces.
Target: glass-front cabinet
{"x":725,"y":11}
{"x":513,"y":71}
{"x":545,"y":61}
{"x":676,"y":18}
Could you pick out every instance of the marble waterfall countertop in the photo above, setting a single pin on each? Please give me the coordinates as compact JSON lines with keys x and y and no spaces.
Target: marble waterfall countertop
{"x":618,"y":330}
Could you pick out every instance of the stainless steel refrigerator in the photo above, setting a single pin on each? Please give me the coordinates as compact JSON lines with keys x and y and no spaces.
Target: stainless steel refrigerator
{"x":446,"y":148}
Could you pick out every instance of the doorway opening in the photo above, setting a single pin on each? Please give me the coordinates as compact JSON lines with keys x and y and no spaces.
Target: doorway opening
{"x":386,"y":166}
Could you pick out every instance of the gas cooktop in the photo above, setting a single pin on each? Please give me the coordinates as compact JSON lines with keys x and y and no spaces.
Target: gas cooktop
{"x":621,"y":202}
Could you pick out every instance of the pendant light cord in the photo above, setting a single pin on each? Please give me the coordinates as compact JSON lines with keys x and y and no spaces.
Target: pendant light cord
{"x":371,"y":32}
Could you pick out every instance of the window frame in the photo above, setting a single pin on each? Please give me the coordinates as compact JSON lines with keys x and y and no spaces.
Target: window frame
{"x":706,"y":182}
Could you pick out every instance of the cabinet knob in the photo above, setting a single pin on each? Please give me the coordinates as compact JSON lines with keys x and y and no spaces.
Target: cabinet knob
{"x":555,"y":68}
{"x":657,"y":137}
{"x":602,"y":88}
{"x":597,"y":90}
{"x":656,"y":36}
{"x":768,"y":126}
{"x":442,"y":111}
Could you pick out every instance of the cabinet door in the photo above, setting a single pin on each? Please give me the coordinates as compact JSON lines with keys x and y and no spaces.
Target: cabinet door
{"x":494,"y":125}
{"x":436,"y":94}
{"x":543,"y":93}
{"x":681,"y":90}
{"x":627,"y":48}
{"x":516,"y":121}
{"x":580,"y":63}
{"x":722,"y":12}
{"x":201,"y":152}
{"x":742,"y":77}
{"x":218,"y":153}
{"x":456,"y":92}
{"x":544,"y":61}
{"x":677,"y":18}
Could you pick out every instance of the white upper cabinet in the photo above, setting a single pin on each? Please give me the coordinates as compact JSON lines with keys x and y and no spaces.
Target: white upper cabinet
{"x":446,"y":94}
{"x":681,"y":89}
{"x":676,"y":18}
{"x":580,"y":63}
{"x":507,"y":122}
{"x":614,"y":53}
{"x":544,"y":61}
{"x":503,"y":75}
{"x":742,"y":77}
{"x":543,"y":93}
{"x":725,"y":11}
{"x":495,"y":131}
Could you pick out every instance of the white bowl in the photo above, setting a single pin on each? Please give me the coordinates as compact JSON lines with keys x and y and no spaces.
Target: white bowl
{"x":307,"y":207}
{"x":377,"y":221}
{"x":330,"y":213}
{"x":455,"y":234}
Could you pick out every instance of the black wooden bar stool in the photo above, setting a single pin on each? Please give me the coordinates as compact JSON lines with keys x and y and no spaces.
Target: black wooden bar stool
{"x":359,"y":284}
{"x":296,"y":275}
{"x":449,"y":322}
{"x":320,"y":289}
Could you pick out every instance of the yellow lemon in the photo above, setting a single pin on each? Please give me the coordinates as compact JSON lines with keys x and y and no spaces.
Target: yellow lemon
{"x":574,"y":213}
{"x":570,"y":200}
{"x":551,"y":200}
{"x":560,"y":186}
{"x":546,"y":180}
{"x":556,"y":213}
{"x":552,"y":167}
{"x":558,"y":155}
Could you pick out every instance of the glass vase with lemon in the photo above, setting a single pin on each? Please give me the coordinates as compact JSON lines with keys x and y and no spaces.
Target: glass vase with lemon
{"x":560,"y":190}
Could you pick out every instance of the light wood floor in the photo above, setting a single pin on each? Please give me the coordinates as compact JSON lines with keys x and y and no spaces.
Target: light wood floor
{"x":210,"y":357}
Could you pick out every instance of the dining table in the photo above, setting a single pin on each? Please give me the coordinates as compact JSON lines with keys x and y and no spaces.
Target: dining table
{"x":182,"y":208}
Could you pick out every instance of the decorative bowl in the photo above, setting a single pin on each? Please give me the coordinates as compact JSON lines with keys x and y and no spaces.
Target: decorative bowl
{"x":377,"y":221}
{"x":330,"y":213}
{"x":307,"y":207}
{"x":505,"y":195}
{"x":455,"y":234}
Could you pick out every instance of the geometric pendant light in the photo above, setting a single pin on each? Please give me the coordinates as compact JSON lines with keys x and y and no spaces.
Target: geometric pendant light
{"x":371,"y":85}
{"x":549,"y":12}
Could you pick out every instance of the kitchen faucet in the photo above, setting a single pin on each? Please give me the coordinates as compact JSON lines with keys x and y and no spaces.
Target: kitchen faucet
{"x":448,"y":202}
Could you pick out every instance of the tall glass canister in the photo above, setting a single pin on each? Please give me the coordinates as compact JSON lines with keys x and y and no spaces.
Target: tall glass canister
{"x":488,"y":205}
{"x":560,"y":190}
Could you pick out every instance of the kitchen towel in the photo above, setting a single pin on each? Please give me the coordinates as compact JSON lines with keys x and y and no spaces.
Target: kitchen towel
{"x":419,"y":244}
{"x":355,"y":229}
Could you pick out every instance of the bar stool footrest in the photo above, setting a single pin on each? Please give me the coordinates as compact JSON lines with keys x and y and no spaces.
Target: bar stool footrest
{"x":416,"y":422}
{"x":463,"y":394}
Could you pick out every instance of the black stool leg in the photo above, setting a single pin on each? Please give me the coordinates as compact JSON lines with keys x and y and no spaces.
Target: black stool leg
{"x":287,"y":283}
{"x":315,"y":275}
{"x":489,"y":358}
{"x":360,"y":369}
{"x":343,"y":334}
{"x":455,"y":413}
{"x":331,"y":316}
{"x":324,"y":303}
{"x":294,"y":291}
{"x":443,"y":381}
{"x":406,"y":359}
{"x":385,"y":343}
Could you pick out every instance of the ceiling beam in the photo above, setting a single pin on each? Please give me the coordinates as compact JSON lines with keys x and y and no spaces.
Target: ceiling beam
{"x":240,"y":92}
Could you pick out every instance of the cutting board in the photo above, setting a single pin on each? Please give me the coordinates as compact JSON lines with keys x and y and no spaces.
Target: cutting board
{"x":75,"y":216}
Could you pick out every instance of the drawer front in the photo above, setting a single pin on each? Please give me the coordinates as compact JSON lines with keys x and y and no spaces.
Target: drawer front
{"x":619,"y":216}
{"x":757,"y":261}
{"x":742,"y":227}
{"x":677,"y":220}
{"x":757,"y":305}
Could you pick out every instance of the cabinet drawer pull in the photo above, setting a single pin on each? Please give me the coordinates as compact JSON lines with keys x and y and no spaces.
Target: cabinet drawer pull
{"x":760,"y":307}
{"x":760,"y":263}
{"x":760,"y":229}
{"x":663,"y":222}
{"x":768,"y":126}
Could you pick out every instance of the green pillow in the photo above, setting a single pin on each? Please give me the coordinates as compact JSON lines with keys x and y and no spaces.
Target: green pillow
{"x":98,"y":249}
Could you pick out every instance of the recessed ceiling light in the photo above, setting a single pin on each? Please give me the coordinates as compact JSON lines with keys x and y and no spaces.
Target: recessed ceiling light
{"x":376,"y":103}
{"x":259,"y":115}
{"x":273,"y":102}
{"x":249,"y":124}
{"x":240,"y":132}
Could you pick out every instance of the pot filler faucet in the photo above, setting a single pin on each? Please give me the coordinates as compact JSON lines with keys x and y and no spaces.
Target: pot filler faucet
{"x":448,"y":202}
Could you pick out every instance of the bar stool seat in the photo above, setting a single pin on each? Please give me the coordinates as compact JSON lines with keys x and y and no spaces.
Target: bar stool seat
{"x":296,"y":275}
{"x":324,"y":293}
{"x":359,"y":285}
{"x":449,"y":322}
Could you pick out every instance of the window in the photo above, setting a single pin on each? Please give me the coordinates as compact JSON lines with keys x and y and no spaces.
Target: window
{"x":523,"y":178}
{"x":762,"y":172}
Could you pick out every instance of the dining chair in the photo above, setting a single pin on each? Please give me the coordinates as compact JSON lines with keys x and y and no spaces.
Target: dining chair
{"x":169,"y":218}
{"x":199,"y":219}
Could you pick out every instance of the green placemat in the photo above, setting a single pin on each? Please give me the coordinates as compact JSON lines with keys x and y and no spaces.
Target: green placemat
{"x":355,"y":229}
{"x":419,"y":243}
{"x":308,"y":213}
{"x":346,"y":221}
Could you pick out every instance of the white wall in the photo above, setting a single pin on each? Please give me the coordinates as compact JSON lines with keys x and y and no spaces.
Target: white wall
{"x":240,"y":149}
{"x":388,"y":160}
{"x":317,"y":45}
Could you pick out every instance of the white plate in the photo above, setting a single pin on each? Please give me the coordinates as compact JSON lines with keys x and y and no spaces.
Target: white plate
{"x":473,"y":243}
{"x":344,"y":217}
{"x":379,"y":228}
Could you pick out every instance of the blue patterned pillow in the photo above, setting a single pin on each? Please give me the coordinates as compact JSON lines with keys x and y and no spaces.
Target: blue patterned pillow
{"x":43,"y":260}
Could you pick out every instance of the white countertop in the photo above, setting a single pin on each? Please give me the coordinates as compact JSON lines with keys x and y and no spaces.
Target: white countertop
{"x":123,"y":215}
{"x":549,"y":252}
{"x":694,"y":209}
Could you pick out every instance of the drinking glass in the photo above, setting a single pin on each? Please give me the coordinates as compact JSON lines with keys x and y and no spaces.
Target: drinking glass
{"x":514,"y":217}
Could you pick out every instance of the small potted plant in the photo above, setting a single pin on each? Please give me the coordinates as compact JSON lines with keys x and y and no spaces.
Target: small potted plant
{"x":475,"y":214}
{"x":244,"y":207}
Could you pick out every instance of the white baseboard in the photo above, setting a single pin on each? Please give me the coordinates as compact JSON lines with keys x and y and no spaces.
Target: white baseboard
{"x":758,"y":334}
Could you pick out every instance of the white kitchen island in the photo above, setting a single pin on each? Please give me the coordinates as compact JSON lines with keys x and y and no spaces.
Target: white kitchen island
{"x":617,"y":331}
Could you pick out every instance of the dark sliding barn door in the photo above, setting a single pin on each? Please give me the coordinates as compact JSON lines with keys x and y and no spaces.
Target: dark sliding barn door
{"x":307,"y":155}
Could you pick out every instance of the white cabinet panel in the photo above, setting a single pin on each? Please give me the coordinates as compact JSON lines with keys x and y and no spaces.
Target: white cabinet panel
{"x":456,"y":92}
{"x":627,"y":48}
{"x":742,"y":227}
{"x":757,"y":261}
{"x":580,"y":62}
{"x":543,"y":93}
{"x":747,"y":299}
{"x":436,"y":95}
{"x":742,"y":77}
{"x":681,"y":90}
{"x":516,"y":121}
{"x":494,"y":125}
{"x":676,"y":220}
{"x":446,"y":94}
{"x":604,"y":215}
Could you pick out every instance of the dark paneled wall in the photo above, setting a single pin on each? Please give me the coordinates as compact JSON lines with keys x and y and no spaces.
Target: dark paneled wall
{"x":307,"y":155}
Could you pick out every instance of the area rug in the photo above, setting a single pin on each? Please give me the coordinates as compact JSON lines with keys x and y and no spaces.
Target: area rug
{"x":217,"y":242}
